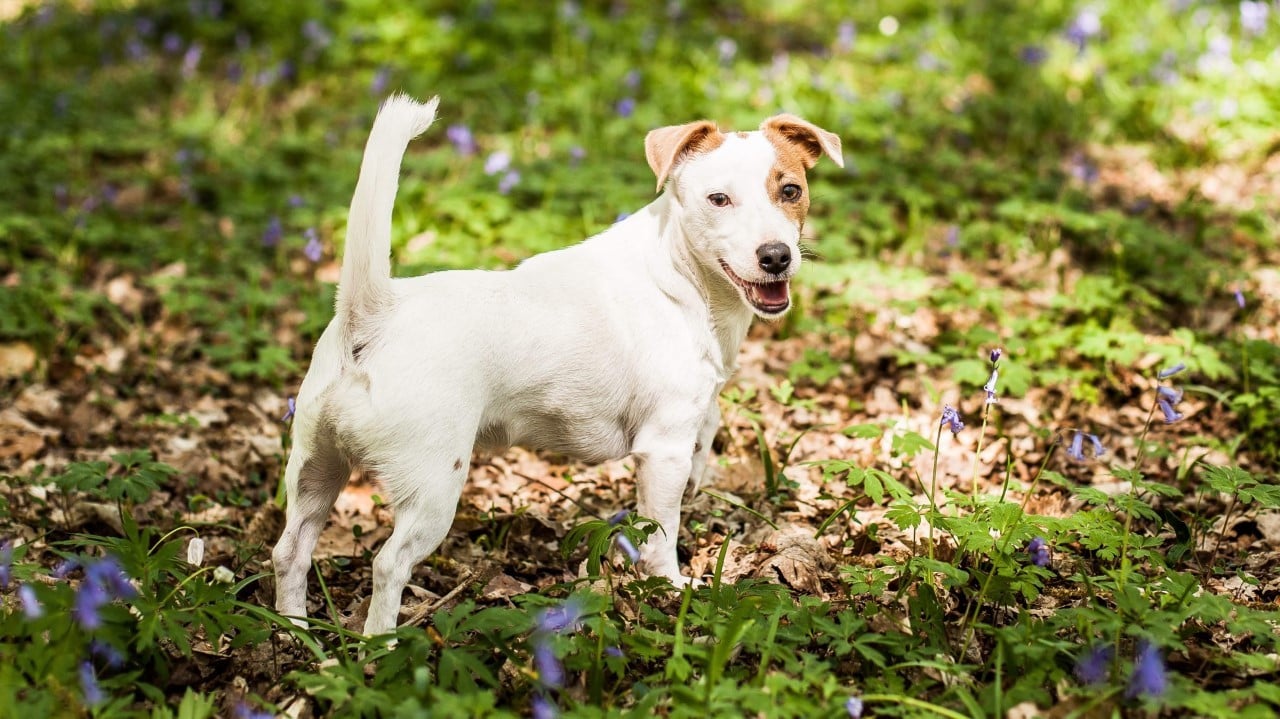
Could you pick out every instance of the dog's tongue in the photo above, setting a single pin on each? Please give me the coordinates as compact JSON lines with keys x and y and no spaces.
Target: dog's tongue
{"x":772,"y":293}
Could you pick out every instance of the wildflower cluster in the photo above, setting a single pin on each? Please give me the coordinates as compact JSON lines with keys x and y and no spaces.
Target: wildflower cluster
{"x":1149,"y":677}
{"x":1076,"y":450}
{"x":553,"y":622}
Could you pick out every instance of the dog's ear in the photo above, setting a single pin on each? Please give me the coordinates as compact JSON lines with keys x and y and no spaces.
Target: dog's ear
{"x":666,"y":146}
{"x":813,"y":141}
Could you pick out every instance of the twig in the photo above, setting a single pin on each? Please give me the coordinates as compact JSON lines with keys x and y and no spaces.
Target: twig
{"x":483,"y":573}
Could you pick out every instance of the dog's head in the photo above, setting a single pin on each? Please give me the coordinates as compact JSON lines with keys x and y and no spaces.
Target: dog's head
{"x":743,"y":198}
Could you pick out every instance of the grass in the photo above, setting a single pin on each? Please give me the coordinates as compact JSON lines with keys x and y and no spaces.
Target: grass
{"x":1085,"y":186}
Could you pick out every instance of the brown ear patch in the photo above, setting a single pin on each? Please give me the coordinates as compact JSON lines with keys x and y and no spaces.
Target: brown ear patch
{"x":811,"y":140}
{"x":665,"y":147}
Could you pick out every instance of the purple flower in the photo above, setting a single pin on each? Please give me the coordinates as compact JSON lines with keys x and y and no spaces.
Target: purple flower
{"x":107,"y":653}
{"x":497,"y":162}
{"x":291,"y":407}
{"x":64,"y":568}
{"x":990,"y":386}
{"x":846,"y":34}
{"x":108,"y":574}
{"x":89,"y":600}
{"x":191,"y":60}
{"x":171,"y":43}
{"x":1038,"y":550}
{"x":1148,"y":678}
{"x":1239,"y":299}
{"x":632,"y":79}
{"x":1083,"y":169}
{"x":614,"y":652}
{"x":951,"y":419}
{"x":625,"y":107}
{"x":543,"y":708}
{"x":1076,"y":450}
{"x":89,"y":684}
{"x":1032,"y":55}
{"x":1171,"y":394}
{"x":462,"y":140}
{"x":558,"y":620}
{"x":31,"y":608}
{"x":995,"y":355}
{"x":1085,"y":26}
{"x":246,"y":711}
{"x":316,"y":35}
{"x":626,"y":546}
{"x":274,"y":232}
{"x":6,"y":563}
{"x":952,"y":236}
{"x":1253,"y":16}
{"x":313,"y":249}
{"x":509,"y":181}
{"x":1170,"y":414}
{"x":854,"y":706}
{"x":1098,"y":449}
{"x":577,"y":154}
{"x":1092,"y":666}
{"x":621,"y":216}
{"x":619,"y":517}
{"x":550,"y":670}
{"x":1165,"y":374}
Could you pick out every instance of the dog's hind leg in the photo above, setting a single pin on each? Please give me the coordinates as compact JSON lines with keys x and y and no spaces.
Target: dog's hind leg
{"x":425,"y":495}
{"x":316,"y":473}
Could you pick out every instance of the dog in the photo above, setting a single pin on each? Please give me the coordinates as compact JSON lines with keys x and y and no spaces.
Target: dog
{"x":616,"y":346}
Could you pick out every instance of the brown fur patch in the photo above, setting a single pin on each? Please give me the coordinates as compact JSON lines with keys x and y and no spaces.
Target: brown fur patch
{"x":665,"y":147}
{"x":788,"y":170}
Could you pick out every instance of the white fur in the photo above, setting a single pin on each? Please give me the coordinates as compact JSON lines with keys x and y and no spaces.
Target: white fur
{"x":618,"y":345}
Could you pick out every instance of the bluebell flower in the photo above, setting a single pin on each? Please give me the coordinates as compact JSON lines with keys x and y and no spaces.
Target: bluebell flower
{"x":726,"y":50}
{"x":1098,"y":449}
{"x":1076,"y":450}
{"x":1038,"y":551}
{"x":1084,"y":27}
{"x":6,"y":563}
{"x":543,"y":708}
{"x":990,"y":386}
{"x":65,"y":568}
{"x":171,"y":43}
{"x":1171,"y":394}
{"x":1170,"y":414}
{"x":995,"y":355}
{"x":951,"y":419}
{"x":31,"y":607}
{"x":274,"y":232}
{"x":1165,"y":374}
{"x":1093,"y":666}
{"x":107,"y":653}
{"x":497,"y":162}
{"x":632,"y":79}
{"x":295,"y":201}
{"x":316,"y":34}
{"x":463,"y":141}
{"x":629,"y":548}
{"x":1149,"y":678}
{"x":577,"y":154}
{"x":619,"y":517}
{"x":291,"y":407}
{"x":313,"y":249}
{"x":854,"y":706}
{"x":846,"y":35}
{"x":108,"y":574}
{"x":89,"y":685}
{"x":244,"y":710}
{"x":90,"y":598}
{"x":1239,"y":299}
{"x":1083,"y":169}
{"x":509,"y":181}
{"x":557,"y":620}
{"x":614,"y":652}
{"x":550,"y":670}
{"x":625,"y":107}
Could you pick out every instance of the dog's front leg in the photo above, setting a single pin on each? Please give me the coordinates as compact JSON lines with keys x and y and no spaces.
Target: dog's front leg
{"x":663,"y":466}
{"x":702,"y":449}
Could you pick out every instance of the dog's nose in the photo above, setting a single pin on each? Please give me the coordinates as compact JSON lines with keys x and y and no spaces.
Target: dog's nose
{"x":774,"y":257}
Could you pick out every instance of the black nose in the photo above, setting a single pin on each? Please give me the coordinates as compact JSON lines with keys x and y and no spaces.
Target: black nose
{"x":775,"y":257}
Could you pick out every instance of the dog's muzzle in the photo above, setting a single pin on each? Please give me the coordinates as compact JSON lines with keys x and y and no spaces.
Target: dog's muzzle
{"x":768,"y":298}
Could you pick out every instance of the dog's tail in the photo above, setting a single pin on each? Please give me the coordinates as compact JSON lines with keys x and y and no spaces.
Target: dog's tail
{"x":364,"y":287}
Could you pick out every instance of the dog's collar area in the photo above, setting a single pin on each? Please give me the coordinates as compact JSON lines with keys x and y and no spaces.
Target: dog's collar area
{"x":768,"y":298}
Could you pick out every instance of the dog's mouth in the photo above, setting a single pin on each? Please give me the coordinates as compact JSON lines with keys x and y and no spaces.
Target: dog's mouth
{"x":768,"y":298}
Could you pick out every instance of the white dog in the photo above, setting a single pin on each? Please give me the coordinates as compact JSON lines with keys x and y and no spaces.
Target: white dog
{"x":618,"y":345}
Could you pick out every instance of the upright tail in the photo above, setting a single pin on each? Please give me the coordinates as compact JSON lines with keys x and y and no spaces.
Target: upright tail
{"x":364,"y":287}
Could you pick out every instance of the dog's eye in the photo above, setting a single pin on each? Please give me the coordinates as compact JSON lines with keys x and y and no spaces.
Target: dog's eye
{"x":791,"y":192}
{"x":719,"y":199}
